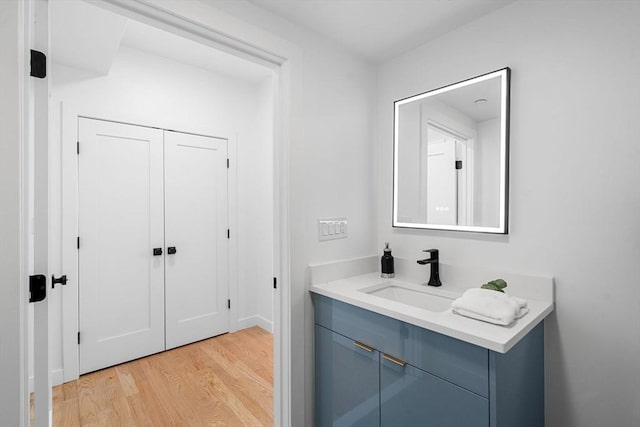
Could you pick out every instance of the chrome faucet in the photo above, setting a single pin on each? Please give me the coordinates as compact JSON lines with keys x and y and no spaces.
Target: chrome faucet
{"x":434,"y":280}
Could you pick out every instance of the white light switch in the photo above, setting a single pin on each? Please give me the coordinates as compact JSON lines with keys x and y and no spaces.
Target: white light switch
{"x":332,"y":228}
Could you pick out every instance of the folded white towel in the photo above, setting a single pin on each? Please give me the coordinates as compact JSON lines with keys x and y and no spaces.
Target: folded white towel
{"x":521,"y":302}
{"x":490,"y":306}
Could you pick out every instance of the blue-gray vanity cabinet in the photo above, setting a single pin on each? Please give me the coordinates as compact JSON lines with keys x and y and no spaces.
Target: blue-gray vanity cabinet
{"x":445,"y":382}
{"x":411,"y":397}
{"x":347,"y":381}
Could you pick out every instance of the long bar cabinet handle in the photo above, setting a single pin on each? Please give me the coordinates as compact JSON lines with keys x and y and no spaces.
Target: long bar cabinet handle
{"x":394,"y":359}
{"x":363,"y":346}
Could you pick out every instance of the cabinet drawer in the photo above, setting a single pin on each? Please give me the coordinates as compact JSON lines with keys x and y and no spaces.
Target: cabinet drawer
{"x":383,"y":333}
{"x":461,"y":363}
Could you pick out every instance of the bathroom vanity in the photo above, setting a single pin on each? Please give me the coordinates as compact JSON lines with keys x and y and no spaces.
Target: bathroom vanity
{"x":390,"y":352}
{"x":383,"y":359}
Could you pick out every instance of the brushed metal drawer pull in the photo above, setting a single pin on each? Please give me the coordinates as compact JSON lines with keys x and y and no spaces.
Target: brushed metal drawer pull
{"x":363,"y":346}
{"x":394,"y":359}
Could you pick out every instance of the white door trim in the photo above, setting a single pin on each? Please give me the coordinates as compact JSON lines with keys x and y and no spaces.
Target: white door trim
{"x":42,"y":241}
{"x":245,"y":41}
{"x":14,"y":265}
{"x":232,"y":215}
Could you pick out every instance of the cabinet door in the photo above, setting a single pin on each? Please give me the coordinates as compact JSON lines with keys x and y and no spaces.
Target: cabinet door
{"x":196,"y":224}
{"x":347,"y":382}
{"x":411,"y":397}
{"x":121,"y":222}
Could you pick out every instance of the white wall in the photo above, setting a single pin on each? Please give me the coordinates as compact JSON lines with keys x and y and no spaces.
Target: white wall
{"x":11,"y":276}
{"x":255,"y":208}
{"x":150,"y":90}
{"x":575,"y":185}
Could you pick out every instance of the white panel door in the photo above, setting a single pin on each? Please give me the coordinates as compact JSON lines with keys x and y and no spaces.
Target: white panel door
{"x":442,"y":184}
{"x":120,"y":207}
{"x":196,"y":226}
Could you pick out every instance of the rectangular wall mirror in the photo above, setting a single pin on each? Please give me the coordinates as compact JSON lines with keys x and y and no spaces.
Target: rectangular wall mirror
{"x":451,"y":157}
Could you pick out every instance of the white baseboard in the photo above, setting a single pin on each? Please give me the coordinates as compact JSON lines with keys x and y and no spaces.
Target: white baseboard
{"x":57,"y":378}
{"x":256,"y":320}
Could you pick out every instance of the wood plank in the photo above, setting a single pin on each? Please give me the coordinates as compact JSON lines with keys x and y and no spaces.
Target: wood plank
{"x":223,"y":381}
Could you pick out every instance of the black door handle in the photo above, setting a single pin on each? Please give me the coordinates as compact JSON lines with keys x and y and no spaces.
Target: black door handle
{"x":62,"y":280}
{"x":157,"y":251}
{"x":171,"y":250}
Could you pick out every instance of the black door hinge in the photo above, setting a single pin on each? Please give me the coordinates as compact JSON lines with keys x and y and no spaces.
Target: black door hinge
{"x":458,"y":164}
{"x":78,"y":337}
{"x":227,"y":163}
{"x":37,"y":287}
{"x":229,"y":304}
{"x":78,"y":148}
{"x":228,"y":233}
{"x":78,"y":243}
{"x":38,"y":64}
{"x":275,"y":283}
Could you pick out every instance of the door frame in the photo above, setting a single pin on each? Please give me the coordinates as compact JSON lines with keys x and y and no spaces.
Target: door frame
{"x":15,"y":169}
{"x":234,"y":36}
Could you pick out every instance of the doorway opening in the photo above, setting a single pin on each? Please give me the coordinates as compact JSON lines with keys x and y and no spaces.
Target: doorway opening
{"x":142,"y":76}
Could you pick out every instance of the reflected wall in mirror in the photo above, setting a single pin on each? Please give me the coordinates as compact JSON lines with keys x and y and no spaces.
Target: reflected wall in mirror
{"x":451,"y":148}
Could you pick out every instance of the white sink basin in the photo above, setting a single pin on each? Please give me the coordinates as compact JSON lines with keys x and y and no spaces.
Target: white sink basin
{"x":414,"y":295}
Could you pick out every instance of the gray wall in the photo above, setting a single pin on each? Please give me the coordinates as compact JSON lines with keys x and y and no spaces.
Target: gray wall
{"x":575,"y":185}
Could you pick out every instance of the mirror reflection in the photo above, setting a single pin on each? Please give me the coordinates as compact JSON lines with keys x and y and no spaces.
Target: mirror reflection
{"x":450,"y":156}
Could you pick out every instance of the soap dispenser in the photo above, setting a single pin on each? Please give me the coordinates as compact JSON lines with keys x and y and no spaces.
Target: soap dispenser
{"x":387,"y":263}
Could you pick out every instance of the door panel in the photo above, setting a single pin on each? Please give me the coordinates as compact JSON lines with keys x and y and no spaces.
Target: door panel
{"x":442,"y":184}
{"x":121,"y":282}
{"x":414,"y":398}
{"x":347,"y":382}
{"x":196,"y":226}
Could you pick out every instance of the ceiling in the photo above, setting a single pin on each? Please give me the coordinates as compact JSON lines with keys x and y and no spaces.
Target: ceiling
{"x":162,"y":43}
{"x":378,"y":30}
{"x":463,"y":99}
{"x":86,"y":37}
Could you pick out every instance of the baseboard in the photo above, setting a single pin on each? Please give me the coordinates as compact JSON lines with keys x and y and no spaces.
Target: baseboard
{"x":57,"y":378}
{"x":248,"y":322}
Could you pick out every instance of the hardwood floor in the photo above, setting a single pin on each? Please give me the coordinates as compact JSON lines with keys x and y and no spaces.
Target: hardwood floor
{"x":222,"y":381}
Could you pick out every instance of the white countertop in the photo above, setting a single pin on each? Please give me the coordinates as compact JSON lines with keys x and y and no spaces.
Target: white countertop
{"x":487,"y":335}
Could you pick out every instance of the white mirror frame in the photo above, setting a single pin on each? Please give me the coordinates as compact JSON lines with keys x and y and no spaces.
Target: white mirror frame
{"x":505,"y":76}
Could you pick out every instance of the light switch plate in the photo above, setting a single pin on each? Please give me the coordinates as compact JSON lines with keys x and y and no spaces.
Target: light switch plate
{"x":332,"y":228}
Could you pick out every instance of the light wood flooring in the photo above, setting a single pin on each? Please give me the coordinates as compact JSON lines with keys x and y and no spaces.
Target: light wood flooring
{"x":222,"y":381}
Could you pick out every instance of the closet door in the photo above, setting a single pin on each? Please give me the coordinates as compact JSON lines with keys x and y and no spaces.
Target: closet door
{"x":195,"y":237}
{"x":121,"y":279}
